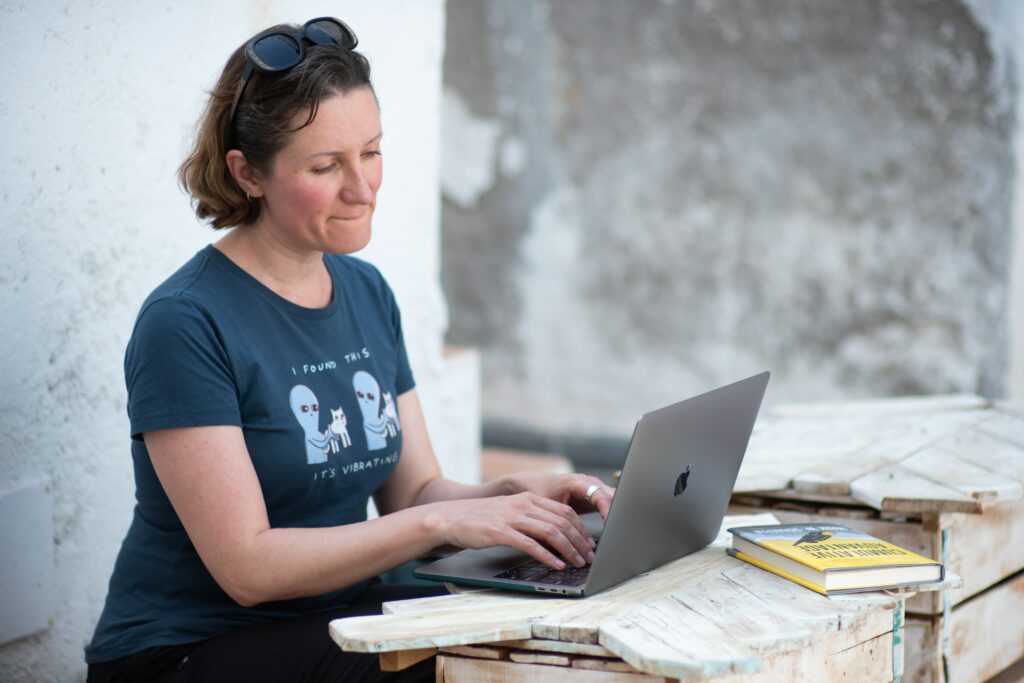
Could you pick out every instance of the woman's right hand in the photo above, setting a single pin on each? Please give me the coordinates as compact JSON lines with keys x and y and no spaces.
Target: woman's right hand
{"x":527,"y":521}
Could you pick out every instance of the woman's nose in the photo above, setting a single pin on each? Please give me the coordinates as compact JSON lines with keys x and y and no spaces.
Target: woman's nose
{"x":356,"y":189}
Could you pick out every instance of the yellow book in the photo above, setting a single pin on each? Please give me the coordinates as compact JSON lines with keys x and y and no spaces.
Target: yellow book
{"x":831,"y":558}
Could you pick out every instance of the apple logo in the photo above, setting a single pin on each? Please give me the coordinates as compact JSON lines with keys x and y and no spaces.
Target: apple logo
{"x":682,"y":481}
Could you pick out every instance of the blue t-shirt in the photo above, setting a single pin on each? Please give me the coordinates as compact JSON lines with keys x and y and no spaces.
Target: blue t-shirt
{"x":315,"y":394}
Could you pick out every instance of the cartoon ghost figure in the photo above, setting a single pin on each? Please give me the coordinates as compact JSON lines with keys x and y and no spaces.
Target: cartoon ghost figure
{"x":374,"y":423}
{"x":306,"y":409}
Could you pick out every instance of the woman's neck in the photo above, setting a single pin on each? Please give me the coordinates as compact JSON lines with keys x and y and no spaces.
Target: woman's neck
{"x":300,"y":278}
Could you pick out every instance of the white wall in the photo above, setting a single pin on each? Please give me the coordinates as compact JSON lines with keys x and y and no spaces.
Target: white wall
{"x":98,"y":99}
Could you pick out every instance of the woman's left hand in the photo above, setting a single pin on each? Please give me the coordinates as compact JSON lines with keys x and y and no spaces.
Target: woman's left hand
{"x":570,"y":489}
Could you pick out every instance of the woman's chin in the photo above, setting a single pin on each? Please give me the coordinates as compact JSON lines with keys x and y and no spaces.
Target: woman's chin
{"x":353,"y":240}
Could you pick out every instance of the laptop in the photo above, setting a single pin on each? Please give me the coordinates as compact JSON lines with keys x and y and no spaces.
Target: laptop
{"x":679,"y":473}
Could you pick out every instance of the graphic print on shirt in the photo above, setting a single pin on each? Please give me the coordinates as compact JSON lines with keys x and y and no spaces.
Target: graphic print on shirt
{"x":338,"y":430}
{"x":376,"y":422}
{"x":392,"y":415}
{"x":306,"y":409}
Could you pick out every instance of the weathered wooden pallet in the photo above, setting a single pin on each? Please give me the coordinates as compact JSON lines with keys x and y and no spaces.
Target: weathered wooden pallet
{"x":941,"y":476}
{"x":706,"y":616}
{"x":973,"y":642}
{"x":912,"y":456}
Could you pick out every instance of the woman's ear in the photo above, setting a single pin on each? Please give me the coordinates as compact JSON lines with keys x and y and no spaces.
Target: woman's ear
{"x":243,"y":173}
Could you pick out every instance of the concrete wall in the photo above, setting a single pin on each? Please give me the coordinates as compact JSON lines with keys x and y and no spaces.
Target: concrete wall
{"x":644,"y":200}
{"x":98,"y":99}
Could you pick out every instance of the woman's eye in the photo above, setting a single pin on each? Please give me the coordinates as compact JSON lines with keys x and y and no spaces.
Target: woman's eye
{"x":371,"y":154}
{"x":325,"y":169}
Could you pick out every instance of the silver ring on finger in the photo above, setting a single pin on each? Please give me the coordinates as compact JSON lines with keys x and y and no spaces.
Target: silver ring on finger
{"x":594,"y":488}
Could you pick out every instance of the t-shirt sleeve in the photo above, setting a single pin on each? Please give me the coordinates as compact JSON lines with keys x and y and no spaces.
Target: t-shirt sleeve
{"x":177,"y":371}
{"x":404,"y":380}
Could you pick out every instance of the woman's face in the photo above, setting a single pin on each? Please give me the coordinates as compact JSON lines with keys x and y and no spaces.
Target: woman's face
{"x":322,"y":188}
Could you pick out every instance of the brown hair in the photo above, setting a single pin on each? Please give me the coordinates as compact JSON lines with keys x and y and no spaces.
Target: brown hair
{"x":263,"y":123}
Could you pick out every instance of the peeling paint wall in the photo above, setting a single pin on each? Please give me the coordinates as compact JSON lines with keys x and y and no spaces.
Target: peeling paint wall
{"x":98,"y":99}
{"x":704,"y":190}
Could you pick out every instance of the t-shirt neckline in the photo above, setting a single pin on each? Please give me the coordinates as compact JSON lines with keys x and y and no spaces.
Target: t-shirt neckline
{"x":221,"y":259}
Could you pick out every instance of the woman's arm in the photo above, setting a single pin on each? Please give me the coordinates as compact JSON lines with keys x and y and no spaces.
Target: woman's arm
{"x":210,"y":481}
{"x":209,"y":478}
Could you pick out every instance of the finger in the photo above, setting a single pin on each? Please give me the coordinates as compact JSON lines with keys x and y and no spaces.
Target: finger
{"x":531,"y":547}
{"x":578,"y":535}
{"x":555,"y":534}
{"x":602,"y":500}
{"x":581,"y":538}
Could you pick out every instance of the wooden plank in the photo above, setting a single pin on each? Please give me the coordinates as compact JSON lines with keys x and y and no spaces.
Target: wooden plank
{"x":403,"y":659}
{"x":462,"y":670}
{"x":865,"y":662}
{"x":478,"y":651}
{"x":557,"y":646}
{"x":943,"y":466}
{"x":492,"y":598}
{"x":896,"y":489}
{"x":385,"y":633}
{"x":665,"y":638}
{"x":834,"y":477}
{"x":761,"y":477}
{"x":1009,"y":427}
{"x":795,"y":602}
{"x":822,"y":454}
{"x":814,"y":499}
{"x":989,"y":450}
{"x":985,"y":549}
{"x":602,"y":664}
{"x":1013,"y":674}
{"x":549,"y":658}
{"x":744,"y":614}
{"x":986,"y":635}
{"x":922,"y":649}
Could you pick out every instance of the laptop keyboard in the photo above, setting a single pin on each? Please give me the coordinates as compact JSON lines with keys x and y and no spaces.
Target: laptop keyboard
{"x":536,"y":571}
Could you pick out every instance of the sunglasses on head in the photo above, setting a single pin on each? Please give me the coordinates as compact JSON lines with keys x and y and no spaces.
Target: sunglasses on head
{"x":280,"y":51}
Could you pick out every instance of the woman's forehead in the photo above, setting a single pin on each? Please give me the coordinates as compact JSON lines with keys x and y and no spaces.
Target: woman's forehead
{"x":342,"y":122}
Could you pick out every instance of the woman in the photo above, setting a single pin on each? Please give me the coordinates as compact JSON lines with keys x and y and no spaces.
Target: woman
{"x":270,"y":396}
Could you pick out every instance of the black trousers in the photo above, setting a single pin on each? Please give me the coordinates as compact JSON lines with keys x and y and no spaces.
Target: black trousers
{"x":297,"y":649}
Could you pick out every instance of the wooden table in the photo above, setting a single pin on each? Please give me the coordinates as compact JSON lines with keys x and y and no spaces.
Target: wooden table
{"x":940,"y":475}
{"x":705,"y":617}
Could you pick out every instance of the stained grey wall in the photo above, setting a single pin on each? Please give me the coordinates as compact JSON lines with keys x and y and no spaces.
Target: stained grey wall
{"x":645,"y":199}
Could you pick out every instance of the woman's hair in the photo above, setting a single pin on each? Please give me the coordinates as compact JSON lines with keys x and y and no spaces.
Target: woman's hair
{"x":263,"y":123}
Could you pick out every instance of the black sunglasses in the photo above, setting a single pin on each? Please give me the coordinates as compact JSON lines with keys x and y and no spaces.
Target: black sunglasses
{"x":280,"y":51}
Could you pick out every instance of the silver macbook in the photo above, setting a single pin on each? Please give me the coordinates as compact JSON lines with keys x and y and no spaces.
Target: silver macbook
{"x":675,"y":486}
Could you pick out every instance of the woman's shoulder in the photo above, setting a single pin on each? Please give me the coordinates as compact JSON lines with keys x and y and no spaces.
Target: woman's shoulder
{"x":353,"y":270}
{"x":186,"y":290}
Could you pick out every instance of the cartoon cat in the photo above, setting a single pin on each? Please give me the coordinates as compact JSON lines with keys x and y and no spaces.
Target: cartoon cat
{"x":391,"y":414}
{"x":338,"y":430}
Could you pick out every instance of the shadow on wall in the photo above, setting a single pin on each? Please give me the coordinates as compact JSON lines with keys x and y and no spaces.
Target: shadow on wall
{"x":645,"y":200}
